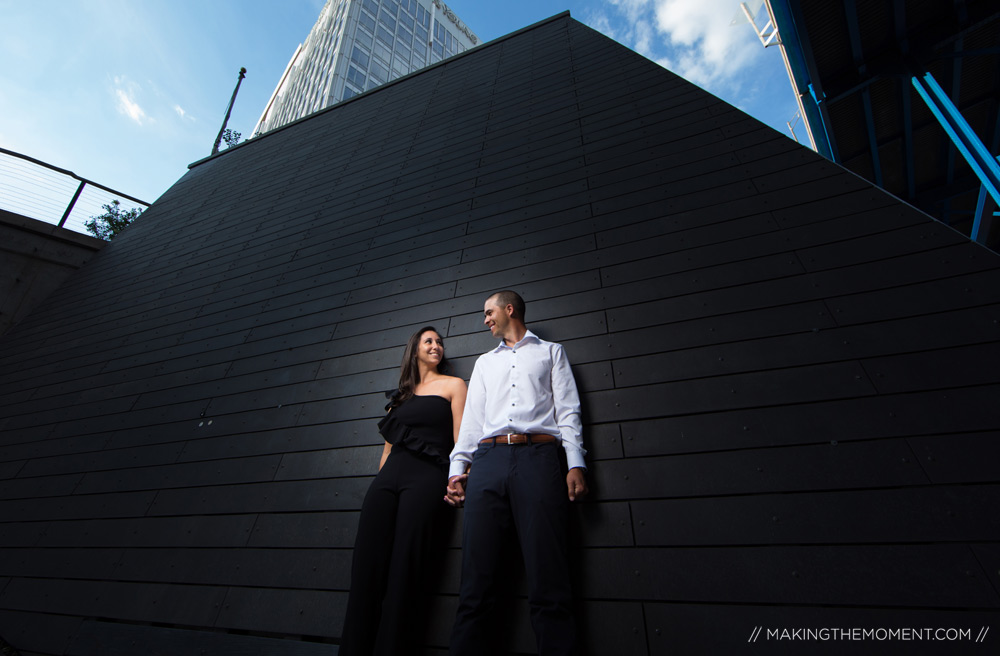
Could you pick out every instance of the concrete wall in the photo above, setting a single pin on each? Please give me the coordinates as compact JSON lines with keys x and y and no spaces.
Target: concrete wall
{"x":36,"y":258}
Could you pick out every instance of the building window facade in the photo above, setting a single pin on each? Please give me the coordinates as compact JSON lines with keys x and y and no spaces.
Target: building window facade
{"x":355,"y":46}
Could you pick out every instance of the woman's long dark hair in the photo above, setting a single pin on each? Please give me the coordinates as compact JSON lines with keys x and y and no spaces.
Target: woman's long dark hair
{"x":409,"y":373}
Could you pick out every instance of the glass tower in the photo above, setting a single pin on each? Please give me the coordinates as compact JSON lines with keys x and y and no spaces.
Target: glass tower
{"x":357,"y":45}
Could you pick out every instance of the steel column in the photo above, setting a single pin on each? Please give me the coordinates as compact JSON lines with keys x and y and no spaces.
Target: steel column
{"x":966,"y":141}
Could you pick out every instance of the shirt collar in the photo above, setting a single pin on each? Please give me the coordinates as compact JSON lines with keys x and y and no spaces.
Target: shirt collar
{"x":528,"y":335}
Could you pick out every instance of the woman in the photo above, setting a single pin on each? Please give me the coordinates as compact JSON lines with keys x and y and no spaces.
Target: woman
{"x":402,"y":511}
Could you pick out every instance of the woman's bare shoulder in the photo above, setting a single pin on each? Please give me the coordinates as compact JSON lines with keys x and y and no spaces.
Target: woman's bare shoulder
{"x":454,"y":383}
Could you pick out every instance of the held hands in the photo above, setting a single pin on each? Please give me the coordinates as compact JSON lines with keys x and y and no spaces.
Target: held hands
{"x":455,"y":494}
{"x":576,"y":484}
{"x":576,"y":487}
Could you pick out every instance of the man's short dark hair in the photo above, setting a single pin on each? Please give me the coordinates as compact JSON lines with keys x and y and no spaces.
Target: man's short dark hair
{"x":507,"y":297}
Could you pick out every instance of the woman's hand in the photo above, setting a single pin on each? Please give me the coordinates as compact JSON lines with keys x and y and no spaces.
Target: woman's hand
{"x":455,"y":494}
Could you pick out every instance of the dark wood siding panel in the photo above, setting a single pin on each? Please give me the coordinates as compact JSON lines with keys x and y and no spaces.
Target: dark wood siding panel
{"x":181,"y":531}
{"x":40,"y":633}
{"x":172,"y":604}
{"x":330,"y":530}
{"x":288,"y":612}
{"x":315,"y":495}
{"x":965,"y":458}
{"x":303,"y":569}
{"x":125,"y":504}
{"x":931,"y":576}
{"x":102,"y":638}
{"x":900,"y":515}
{"x":832,"y":466}
{"x":926,"y":413}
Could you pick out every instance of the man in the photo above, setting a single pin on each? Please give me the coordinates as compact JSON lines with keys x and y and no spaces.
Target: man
{"x":522,"y":409}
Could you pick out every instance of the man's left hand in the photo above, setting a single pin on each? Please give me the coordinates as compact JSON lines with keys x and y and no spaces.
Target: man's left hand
{"x":455,"y":492}
{"x":576,"y":484}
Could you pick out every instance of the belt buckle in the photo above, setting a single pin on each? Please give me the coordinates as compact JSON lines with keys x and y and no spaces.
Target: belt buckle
{"x":508,"y":438}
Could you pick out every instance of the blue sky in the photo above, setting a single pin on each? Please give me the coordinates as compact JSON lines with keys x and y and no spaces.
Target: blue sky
{"x":128,"y":93}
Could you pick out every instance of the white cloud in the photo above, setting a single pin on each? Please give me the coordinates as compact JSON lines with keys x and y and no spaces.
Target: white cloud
{"x":644,"y":38}
{"x":125,"y":92}
{"x":714,"y":47}
{"x":129,"y":107}
{"x":666,"y":63}
{"x":633,"y":9}
{"x":694,"y":38}
{"x":600,"y":22}
{"x":180,"y":112}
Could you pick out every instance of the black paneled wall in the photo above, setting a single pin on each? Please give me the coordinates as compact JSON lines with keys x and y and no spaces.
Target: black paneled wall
{"x":789,"y":377}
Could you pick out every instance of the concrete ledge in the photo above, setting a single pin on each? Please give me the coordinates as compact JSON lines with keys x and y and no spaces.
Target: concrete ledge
{"x":42,"y":228}
{"x":35,"y":258}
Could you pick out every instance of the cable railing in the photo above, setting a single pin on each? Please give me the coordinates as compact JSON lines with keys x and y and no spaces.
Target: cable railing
{"x":37,"y":190}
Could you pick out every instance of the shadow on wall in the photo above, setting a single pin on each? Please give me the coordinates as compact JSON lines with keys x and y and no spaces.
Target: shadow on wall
{"x":37,"y":258}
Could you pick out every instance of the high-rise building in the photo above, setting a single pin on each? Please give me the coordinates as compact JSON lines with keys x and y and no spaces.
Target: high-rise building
{"x":357,"y":45}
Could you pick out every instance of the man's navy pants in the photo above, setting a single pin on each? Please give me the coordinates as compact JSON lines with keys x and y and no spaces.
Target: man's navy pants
{"x":520,"y":487}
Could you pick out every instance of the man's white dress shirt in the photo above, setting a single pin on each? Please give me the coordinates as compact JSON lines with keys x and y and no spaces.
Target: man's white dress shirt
{"x":527,"y":388}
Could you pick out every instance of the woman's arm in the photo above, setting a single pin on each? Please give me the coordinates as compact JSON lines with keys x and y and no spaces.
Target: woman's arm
{"x":457,"y":405}
{"x":385,"y":454}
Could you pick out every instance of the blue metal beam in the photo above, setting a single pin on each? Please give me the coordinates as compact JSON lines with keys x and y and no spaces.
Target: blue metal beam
{"x":908,"y":164}
{"x":966,"y":53}
{"x":787,"y":16}
{"x":966,"y":141}
{"x":863,"y":84}
{"x":956,"y":89}
{"x":854,"y":34}
{"x":982,"y":223}
{"x":977,"y":221}
{"x":902,"y":40}
{"x":866,"y":98}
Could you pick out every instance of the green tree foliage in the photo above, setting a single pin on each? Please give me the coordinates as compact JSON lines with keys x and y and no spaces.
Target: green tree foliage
{"x":231,"y":137}
{"x":106,"y":226}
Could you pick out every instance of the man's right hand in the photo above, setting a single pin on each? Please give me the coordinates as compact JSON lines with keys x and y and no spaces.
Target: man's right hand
{"x":455,"y":494}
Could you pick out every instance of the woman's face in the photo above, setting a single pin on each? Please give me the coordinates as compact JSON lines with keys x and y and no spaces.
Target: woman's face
{"x":430,"y":349}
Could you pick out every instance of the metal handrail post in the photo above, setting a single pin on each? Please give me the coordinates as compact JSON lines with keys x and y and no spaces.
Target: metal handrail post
{"x":229,"y":110}
{"x":69,"y":208}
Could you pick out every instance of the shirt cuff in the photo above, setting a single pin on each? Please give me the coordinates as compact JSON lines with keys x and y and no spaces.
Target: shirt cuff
{"x":574,"y":458}
{"x":457,"y":468}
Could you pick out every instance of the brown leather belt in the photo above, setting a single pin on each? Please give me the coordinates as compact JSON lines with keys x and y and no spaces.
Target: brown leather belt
{"x":518,"y":438}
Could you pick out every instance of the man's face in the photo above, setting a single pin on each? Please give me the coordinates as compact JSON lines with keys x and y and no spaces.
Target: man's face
{"x":495,"y":317}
